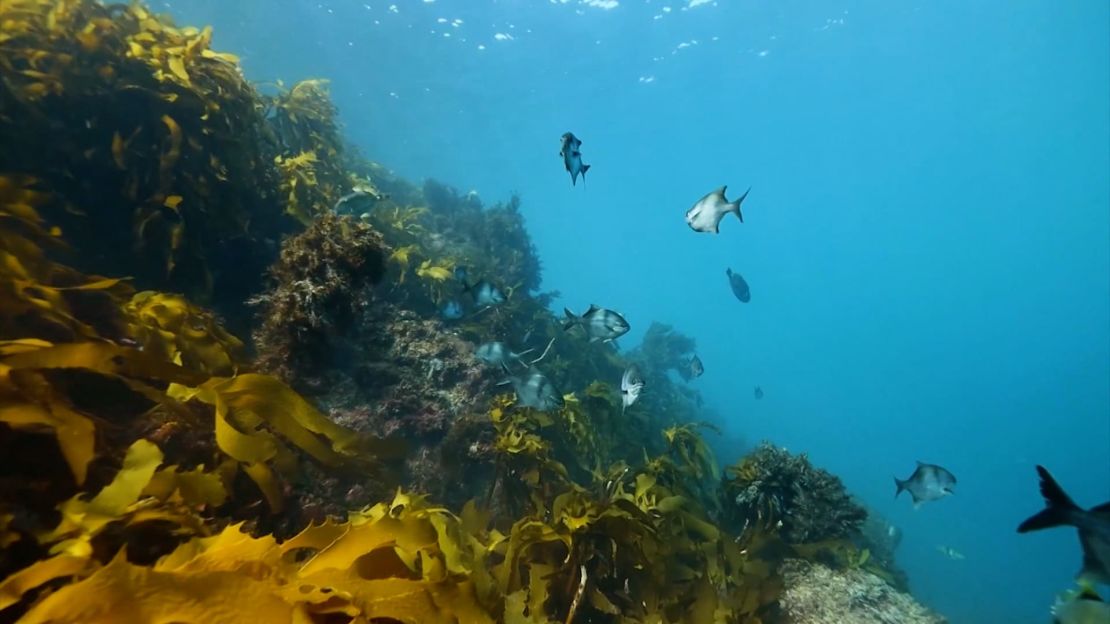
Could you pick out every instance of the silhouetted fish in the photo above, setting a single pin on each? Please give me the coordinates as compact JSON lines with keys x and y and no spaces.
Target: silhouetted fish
{"x":452,"y":310}
{"x":928,"y":482}
{"x":1093,"y":525}
{"x":572,"y":158}
{"x":706,"y":214}
{"x":758,"y":393}
{"x":739,"y":286}
{"x":694,"y":369}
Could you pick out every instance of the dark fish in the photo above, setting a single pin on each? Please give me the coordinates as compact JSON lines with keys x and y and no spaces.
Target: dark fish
{"x":599,"y":323}
{"x":533,"y":389}
{"x":706,"y":214}
{"x":452,"y":310}
{"x":739,"y":286}
{"x":694,"y":369}
{"x":572,"y":158}
{"x":758,"y":393}
{"x":461,"y":275}
{"x":632,"y":383}
{"x":485,"y":294}
{"x":928,"y":482}
{"x":1093,"y":525}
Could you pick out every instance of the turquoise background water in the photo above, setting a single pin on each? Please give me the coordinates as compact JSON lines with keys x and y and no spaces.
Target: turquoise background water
{"x":927,"y":239}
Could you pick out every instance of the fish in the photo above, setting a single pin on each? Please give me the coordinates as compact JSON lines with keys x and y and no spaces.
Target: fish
{"x":355,"y":198}
{"x":599,"y":323}
{"x":452,"y":310}
{"x":632,"y":383}
{"x":739,"y":286}
{"x":694,"y":368}
{"x":1080,"y":607}
{"x":461,"y":275}
{"x":758,"y":393}
{"x":706,"y":214}
{"x":497,"y":354}
{"x":928,"y":482}
{"x":1093,"y":525}
{"x":485,"y":293}
{"x":572,"y":158}
{"x":533,"y":389}
{"x":951,"y":553}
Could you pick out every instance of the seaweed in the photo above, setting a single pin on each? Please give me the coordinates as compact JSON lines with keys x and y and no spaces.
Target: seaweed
{"x":772,"y":488}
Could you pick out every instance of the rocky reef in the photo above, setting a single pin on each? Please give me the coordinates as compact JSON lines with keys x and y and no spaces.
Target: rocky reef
{"x":816,"y":594}
{"x":354,"y":461}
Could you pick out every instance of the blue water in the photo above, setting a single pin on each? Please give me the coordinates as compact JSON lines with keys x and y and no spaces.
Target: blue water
{"x":927,"y":238}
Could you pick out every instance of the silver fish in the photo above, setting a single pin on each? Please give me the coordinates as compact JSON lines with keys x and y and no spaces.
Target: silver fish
{"x":632,"y":383}
{"x":572,"y":158}
{"x":533,"y":389}
{"x":706,"y":214}
{"x":951,"y":553}
{"x":599,"y":323}
{"x":485,"y":293}
{"x":928,"y":482}
{"x":739,"y":286}
{"x":1093,"y":525}
{"x":498,"y":354}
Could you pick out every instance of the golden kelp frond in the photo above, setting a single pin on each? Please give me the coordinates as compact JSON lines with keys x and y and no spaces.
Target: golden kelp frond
{"x":150,"y":130}
{"x":39,"y":297}
{"x":691,"y":451}
{"x":404,"y":561}
{"x":304,"y":119}
{"x":255,"y":415}
{"x":31,"y":400}
{"x":171,"y":328}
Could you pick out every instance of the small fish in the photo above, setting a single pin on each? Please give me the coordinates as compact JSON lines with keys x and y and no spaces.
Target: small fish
{"x":572,"y":158}
{"x":461,"y":275}
{"x":927,"y":483}
{"x":354,"y":198}
{"x":497,"y":354}
{"x":1080,"y":607}
{"x":452,"y":310}
{"x":599,"y":323}
{"x":706,"y":214}
{"x":951,"y":553}
{"x":1093,"y":525}
{"x":694,"y":369}
{"x":758,"y":393}
{"x":632,"y":383}
{"x":533,"y":389}
{"x":485,"y":294}
{"x":739,"y":286}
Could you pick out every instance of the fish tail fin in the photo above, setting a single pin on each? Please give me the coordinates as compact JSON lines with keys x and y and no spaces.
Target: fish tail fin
{"x":570,"y":321}
{"x":735,"y":206}
{"x":1059,"y":507}
{"x":899,"y":485}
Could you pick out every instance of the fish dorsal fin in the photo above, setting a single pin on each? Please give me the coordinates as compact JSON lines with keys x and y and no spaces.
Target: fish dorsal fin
{"x":1086,"y":592}
{"x":1101,"y":509}
{"x":593,"y":308}
{"x":721,"y":192}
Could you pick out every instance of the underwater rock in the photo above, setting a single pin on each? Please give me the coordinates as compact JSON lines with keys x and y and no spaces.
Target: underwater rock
{"x":816,"y":594}
{"x":321,"y":283}
{"x":771,"y":485}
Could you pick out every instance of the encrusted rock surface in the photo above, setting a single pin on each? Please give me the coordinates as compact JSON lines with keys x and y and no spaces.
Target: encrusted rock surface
{"x":816,"y":594}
